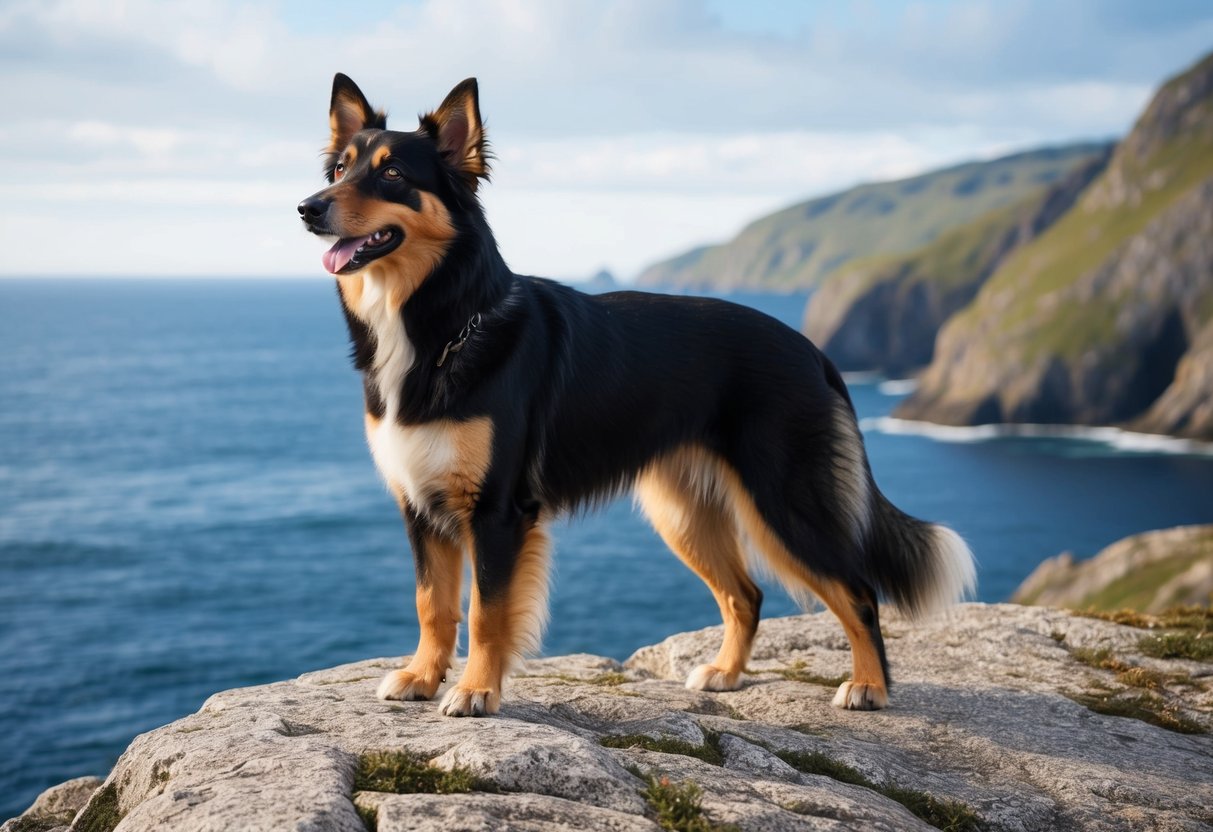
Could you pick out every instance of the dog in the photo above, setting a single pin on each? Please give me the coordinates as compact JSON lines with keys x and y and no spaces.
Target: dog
{"x":496,"y":401}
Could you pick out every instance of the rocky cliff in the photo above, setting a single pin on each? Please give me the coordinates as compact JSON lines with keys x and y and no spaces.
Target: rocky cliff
{"x":796,"y":248}
{"x":1104,"y":318}
{"x":1002,"y":717}
{"x":1149,"y":572}
{"x":884,"y":313}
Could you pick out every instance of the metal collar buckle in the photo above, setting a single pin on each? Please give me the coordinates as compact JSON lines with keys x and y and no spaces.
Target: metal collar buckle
{"x":456,"y":344}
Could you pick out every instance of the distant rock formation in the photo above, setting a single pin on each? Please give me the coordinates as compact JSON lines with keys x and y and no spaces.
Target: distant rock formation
{"x":602,"y":281}
{"x":999,"y":720}
{"x":1148,"y":572}
{"x":884,"y":313}
{"x":1104,"y":318}
{"x":796,"y":248}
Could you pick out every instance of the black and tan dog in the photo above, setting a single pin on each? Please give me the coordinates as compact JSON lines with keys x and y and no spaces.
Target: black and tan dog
{"x":495,"y":401}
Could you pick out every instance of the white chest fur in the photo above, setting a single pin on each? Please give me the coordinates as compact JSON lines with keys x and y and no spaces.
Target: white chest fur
{"x":440,"y":461}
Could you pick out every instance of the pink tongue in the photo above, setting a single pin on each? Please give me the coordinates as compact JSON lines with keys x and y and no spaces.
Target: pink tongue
{"x":342,"y":252}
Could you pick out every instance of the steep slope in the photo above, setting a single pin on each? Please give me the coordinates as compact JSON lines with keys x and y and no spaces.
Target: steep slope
{"x":1089,"y":323}
{"x":883,"y":313}
{"x":797,"y":247}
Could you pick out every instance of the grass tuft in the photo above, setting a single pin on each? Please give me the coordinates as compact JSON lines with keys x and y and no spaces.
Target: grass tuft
{"x":102,"y":813}
{"x":948,"y":815}
{"x":370,"y":817}
{"x":35,"y":823}
{"x":1197,"y":646}
{"x":709,"y":752}
{"x":798,"y":671}
{"x":1145,"y":707}
{"x":1101,"y":659}
{"x":610,"y":679}
{"x":678,"y":806}
{"x":404,"y":772}
{"x":1175,"y":618}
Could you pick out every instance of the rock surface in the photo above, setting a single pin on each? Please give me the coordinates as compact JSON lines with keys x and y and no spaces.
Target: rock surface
{"x":1106,"y":317}
{"x":979,"y":716}
{"x":55,"y":808}
{"x":1148,"y":572}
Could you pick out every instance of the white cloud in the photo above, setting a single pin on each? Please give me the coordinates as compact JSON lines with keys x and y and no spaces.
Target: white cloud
{"x":626,"y":130}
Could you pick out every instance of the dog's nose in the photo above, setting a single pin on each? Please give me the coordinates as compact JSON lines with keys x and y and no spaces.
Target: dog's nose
{"x":313,"y":208}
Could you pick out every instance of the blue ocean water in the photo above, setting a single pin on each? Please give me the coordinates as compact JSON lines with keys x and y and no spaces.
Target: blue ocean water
{"x":187,"y":505}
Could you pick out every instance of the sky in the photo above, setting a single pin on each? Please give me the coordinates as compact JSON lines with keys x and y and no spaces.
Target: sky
{"x":163,"y":138}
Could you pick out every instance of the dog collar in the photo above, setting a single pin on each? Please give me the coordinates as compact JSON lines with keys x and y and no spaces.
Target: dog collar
{"x":456,"y":344}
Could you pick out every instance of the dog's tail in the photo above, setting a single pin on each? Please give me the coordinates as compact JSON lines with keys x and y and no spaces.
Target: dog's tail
{"x":921,"y":567}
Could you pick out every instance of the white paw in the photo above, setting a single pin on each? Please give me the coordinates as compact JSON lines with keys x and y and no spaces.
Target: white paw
{"x":400,"y":684}
{"x":709,"y":677}
{"x":469,"y":702}
{"x":853,"y":697}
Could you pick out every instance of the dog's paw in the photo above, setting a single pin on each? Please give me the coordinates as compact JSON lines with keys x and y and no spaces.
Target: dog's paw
{"x":400,"y":684}
{"x":860,"y":697}
{"x":710,"y":677}
{"x":461,"y":701}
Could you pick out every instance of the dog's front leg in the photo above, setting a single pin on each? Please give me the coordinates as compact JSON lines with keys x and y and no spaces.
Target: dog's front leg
{"x":508,"y":607}
{"x":439,"y":565}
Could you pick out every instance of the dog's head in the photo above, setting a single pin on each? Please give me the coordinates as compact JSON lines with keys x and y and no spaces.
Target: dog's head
{"x":394,"y":197}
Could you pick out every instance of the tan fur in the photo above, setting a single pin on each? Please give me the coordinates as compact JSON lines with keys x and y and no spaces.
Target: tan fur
{"x":865,"y":660}
{"x":469,"y":155}
{"x":346,"y":118}
{"x":380,"y":153}
{"x":681,"y":497}
{"x":698,"y":504}
{"x":350,"y":286}
{"x":438,"y":613}
{"x":505,"y":628}
{"x":427,"y":235}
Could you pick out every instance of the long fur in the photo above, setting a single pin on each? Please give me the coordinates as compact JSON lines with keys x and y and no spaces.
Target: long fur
{"x":495,"y":401}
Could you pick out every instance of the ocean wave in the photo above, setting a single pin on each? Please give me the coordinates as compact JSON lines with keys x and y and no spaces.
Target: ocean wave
{"x":898,"y":386}
{"x":1117,"y":438}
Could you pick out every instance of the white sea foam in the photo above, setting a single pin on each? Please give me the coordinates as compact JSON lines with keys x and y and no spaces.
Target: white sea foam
{"x":898,"y":386}
{"x":1121,"y":440}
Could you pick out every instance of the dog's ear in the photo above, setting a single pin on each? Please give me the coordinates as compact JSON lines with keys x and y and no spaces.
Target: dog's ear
{"x":459,"y":133}
{"x":350,"y":112}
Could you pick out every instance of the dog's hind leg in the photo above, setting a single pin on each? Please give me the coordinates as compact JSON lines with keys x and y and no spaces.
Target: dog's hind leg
{"x":681,"y":498}
{"x":853,"y":602}
{"x":508,"y":608}
{"x":439,"y":567}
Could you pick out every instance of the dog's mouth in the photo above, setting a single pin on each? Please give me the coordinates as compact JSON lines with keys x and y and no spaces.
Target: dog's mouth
{"x":349,"y":254}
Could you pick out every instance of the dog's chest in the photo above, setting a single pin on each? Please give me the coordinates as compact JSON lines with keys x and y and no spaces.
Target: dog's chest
{"x":436,"y":466}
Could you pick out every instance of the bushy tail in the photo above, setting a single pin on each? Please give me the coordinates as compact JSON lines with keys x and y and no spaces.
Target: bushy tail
{"x":921,"y":567}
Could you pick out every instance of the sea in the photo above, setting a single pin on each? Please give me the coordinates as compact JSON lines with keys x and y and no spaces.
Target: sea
{"x":187,"y":505}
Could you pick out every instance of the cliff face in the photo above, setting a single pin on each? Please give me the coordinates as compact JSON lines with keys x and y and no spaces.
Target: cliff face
{"x":999,"y":720}
{"x":1096,"y":320}
{"x":1149,"y":572}
{"x":884,"y":313}
{"x":797,"y":247}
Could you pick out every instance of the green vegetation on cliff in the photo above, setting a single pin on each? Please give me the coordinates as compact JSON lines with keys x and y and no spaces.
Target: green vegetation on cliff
{"x":797,"y":247}
{"x":1090,"y":322}
{"x":884,"y":312}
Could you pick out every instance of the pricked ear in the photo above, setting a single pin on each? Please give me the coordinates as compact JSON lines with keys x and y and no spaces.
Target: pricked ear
{"x":349,"y":112}
{"x":459,"y":133}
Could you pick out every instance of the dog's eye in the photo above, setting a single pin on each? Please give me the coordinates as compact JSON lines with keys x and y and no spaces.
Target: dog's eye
{"x":339,"y":170}
{"x":392,"y":174}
